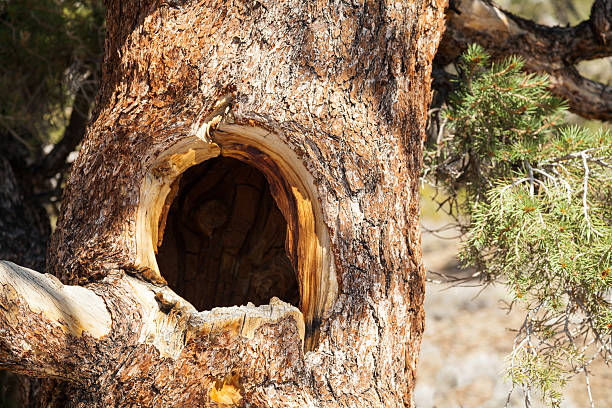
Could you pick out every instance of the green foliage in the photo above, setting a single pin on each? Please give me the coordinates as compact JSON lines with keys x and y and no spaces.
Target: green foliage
{"x":538,"y":201}
{"x":50,"y":49}
{"x":543,"y":371}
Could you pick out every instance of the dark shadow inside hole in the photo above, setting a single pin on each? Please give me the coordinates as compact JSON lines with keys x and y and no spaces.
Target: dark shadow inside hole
{"x":224,"y":240}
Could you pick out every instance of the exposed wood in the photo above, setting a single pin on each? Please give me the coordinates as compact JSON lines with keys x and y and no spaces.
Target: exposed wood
{"x":224,"y":241}
{"x":73,"y":308}
{"x":50,"y":330}
{"x":553,"y":50}
{"x":292,"y":187}
{"x":39,"y":318}
{"x":244,"y":320}
{"x":154,"y":191}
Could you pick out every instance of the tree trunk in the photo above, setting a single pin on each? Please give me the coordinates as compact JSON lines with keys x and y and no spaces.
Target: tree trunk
{"x":240,"y":153}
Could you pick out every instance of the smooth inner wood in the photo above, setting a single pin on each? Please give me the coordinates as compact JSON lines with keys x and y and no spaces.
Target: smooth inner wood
{"x":307,"y":242}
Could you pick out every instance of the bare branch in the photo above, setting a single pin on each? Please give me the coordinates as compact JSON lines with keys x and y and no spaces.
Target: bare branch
{"x":587,"y":98}
{"x":554,"y":50}
{"x":42,"y":322}
{"x":48,"y":329}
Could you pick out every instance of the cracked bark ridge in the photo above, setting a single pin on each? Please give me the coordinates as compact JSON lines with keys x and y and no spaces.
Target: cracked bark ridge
{"x":553,"y":50}
{"x":346,"y":86}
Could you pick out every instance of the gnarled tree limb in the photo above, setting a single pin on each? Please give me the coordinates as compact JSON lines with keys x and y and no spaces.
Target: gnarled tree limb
{"x":43,"y":323}
{"x":107,"y":335}
{"x":554,"y":50}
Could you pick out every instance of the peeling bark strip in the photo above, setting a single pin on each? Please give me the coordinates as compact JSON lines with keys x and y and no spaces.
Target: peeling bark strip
{"x":554,"y":50}
{"x":41,"y":321}
{"x":328,"y":100}
{"x":73,"y":308}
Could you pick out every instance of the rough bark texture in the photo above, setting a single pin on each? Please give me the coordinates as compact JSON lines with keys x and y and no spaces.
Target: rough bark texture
{"x":553,"y":50}
{"x":344,"y":86}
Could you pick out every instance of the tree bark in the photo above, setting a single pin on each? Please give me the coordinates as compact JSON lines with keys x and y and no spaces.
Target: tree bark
{"x":328,"y":102}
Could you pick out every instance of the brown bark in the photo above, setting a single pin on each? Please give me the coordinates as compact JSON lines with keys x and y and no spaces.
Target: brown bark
{"x":553,"y":50}
{"x":328,"y":101}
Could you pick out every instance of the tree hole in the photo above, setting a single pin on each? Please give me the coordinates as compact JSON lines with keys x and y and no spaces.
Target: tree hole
{"x":224,"y":238}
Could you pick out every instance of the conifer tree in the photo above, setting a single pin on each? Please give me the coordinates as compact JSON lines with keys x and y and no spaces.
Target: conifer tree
{"x":534,"y":199}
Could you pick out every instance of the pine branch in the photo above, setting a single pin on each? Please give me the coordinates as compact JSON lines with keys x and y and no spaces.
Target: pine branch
{"x":553,"y":50}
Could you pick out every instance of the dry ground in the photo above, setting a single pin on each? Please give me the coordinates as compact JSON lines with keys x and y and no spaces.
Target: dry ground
{"x":467,"y":339}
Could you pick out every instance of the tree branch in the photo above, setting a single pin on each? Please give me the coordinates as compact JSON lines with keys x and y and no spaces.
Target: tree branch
{"x":44,"y":325}
{"x":48,"y":329}
{"x":74,"y":132}
{"x":554,"y":50}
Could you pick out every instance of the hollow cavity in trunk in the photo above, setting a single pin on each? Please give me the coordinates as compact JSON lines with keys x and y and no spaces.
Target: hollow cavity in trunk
{"x":224,"y":239}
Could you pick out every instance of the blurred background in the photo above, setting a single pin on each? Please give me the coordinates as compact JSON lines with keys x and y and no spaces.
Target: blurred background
{"x":468,"y":335}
